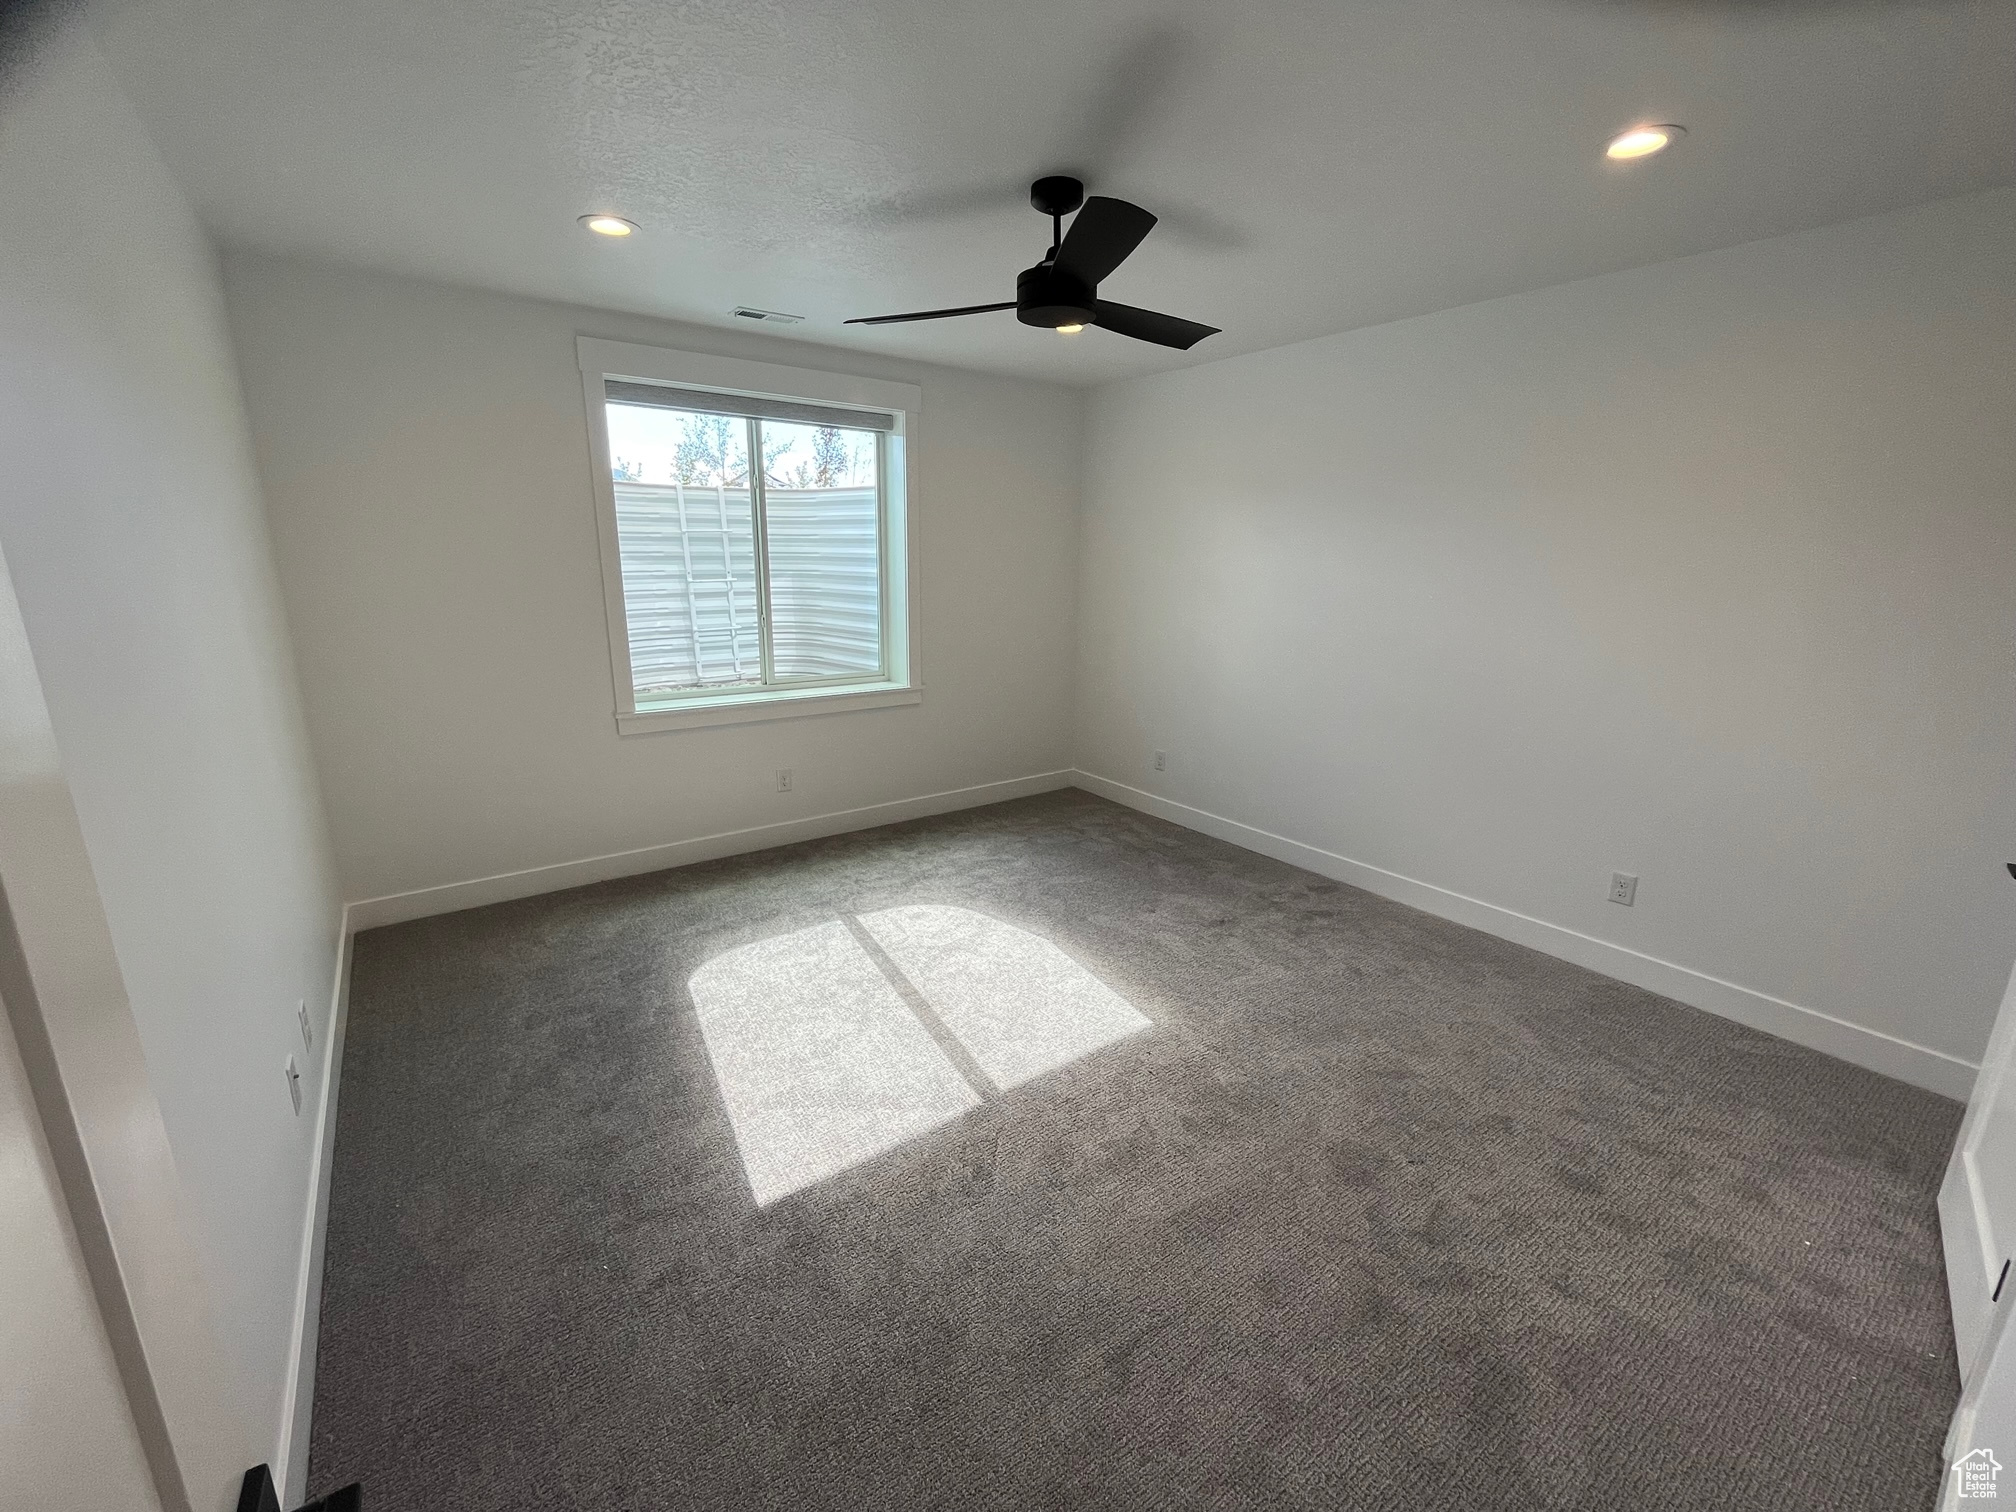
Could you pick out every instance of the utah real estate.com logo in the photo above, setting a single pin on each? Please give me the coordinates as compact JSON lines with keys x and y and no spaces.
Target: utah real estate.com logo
{"x":1974,"y":1475}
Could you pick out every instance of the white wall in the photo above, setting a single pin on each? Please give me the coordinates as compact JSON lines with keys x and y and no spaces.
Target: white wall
{"x":66,"y":1436}
{"x":425,"y":458}
{"x":1704,"y":571}
{"x":136,"y":539}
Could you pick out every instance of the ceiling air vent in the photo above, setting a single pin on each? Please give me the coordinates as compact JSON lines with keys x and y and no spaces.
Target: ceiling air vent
{"x":768,"y":317}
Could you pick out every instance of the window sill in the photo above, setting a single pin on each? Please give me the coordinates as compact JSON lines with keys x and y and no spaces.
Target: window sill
{"x":748,"y":708}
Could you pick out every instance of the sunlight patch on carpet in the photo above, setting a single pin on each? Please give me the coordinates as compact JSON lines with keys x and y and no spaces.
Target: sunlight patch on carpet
{"x":822,"y":1064}
{"x":1019,"y":1005}
{"x":820,"y":1061}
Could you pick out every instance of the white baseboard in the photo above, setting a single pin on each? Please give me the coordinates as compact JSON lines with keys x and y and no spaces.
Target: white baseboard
{"x":290,"y":1460}
{"x":451,"y":897}
{"x":1922,"y":1067}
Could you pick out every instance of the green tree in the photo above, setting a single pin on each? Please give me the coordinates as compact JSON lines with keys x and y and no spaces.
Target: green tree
{"x":774,"y":472}
{"x":831,"y":459}
{"x":707,"y":452}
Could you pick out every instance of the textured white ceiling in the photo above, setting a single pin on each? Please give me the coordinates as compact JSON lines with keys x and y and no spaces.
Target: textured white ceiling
{"x":1319,"y":164}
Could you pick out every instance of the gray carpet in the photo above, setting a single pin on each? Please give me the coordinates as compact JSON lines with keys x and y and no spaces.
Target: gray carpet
{"x":1379,"y":1213}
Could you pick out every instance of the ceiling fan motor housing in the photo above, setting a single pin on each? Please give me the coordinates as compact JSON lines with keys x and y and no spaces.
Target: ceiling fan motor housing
{"x":1048,"y":298}
{"x":1059,"y":194}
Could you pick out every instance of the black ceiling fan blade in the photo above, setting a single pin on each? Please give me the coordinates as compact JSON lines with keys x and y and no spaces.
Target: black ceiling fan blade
{"x":1100,"y":238}
{"x":929,"y":314}
{"x":1149,"y":325}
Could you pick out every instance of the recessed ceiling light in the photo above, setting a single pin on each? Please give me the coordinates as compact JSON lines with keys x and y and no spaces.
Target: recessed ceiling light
{"x":609,"y":225}
{"x":1642,"y":142}
{"x":1070,"y":330}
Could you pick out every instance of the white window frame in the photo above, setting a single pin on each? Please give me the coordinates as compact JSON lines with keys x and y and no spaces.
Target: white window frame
{"x":903,"y":683}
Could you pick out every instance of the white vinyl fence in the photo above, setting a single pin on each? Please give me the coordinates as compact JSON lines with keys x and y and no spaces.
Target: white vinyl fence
{"x":690,"y":592}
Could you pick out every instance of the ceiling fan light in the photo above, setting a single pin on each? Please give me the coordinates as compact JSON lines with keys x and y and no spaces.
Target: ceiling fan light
{"x":1069,"y":330}
{"x":1642,"y":142}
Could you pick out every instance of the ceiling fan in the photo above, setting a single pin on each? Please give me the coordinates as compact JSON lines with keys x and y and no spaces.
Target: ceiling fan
{"x":1062,"y":291}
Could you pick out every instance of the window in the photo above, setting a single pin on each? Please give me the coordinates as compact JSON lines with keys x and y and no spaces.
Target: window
{"x":755,"y":536}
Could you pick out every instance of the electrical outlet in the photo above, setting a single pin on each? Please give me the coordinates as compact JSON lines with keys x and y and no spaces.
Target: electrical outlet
{"x":1161,"y":761}
{"x":783,"y":779}
{"x":307,"y":1029}
{"x":1623,"y":888}
{"x":294,"y":1084}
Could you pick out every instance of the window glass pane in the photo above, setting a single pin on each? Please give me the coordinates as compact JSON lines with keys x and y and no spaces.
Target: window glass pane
{"x":821,"y":524}
{"x":685,"y":530}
